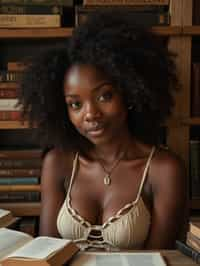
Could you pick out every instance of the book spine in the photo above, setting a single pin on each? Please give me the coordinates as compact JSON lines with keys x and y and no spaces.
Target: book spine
{"x":188,"y":251}
{"x":142,"y":18}
{"x":19,"y":172}
{"x":19,"y":196}
{"x":19,"y":180}
{"x":125,"y":2}
{"x":9,"y":76}
{"x":9,"y":94}
{"x":67,"y":3}
{"x":20,"y":163}
{"x":16,"y":66}
{"x":9,"y":85}
{"x":9,"y":105}
{"x":30,"y":9}
{"x":195,"y":168}
{"x":30,"y":21}
{"x":20,"y":154}
{"x":195,"y":90}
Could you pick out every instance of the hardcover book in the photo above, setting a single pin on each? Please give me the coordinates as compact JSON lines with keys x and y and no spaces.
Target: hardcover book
{"x":5,"y":217}
{"x":142,"y":18}
{"x":20,"y":249}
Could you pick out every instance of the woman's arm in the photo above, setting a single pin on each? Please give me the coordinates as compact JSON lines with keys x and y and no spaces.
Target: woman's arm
{"x":168,"y":179}
{"x":52,"y":192}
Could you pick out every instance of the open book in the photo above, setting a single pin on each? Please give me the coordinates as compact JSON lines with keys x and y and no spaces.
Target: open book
{"x":20,"y":249}
{"x":118,"y":258}
{"x":6,"y":218}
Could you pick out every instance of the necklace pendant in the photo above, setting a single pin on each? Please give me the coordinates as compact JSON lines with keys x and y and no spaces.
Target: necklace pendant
{"x":107,"y":180}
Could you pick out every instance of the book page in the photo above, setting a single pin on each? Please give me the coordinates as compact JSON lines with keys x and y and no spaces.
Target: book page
{"x":40,"y":248}
{"x":11,"y":240}
{"x":118,"y":259}
{"x":3,"y":213}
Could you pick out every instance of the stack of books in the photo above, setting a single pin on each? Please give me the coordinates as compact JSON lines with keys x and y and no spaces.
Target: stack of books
{"x":193,"y":235}
{"x":9,"y":86}
{"x":142,"y":12}
{"x":32,"y":13}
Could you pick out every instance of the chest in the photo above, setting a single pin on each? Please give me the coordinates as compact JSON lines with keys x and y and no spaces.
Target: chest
{"x":97,"y":202}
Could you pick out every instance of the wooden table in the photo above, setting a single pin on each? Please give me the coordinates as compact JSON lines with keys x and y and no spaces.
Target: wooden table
{"x":176,"y":258}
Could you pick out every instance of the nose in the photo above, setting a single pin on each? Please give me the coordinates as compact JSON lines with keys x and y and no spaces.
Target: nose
{"x":92,"y":112}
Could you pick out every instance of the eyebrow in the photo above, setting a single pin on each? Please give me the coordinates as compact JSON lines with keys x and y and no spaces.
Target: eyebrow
{"x":99,"y":86}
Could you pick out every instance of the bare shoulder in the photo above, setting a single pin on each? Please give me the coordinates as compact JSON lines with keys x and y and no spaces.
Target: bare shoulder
{"x":57,"y":163}
{"x":167,"y":169}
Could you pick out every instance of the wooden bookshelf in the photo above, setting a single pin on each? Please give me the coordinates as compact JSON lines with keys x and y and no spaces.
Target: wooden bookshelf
{"x":13,"y":125}
{"x":22,"y":209}
{"x":35,"y":33}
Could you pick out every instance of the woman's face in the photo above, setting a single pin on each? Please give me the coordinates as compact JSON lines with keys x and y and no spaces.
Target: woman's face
{"x":94,"y":106}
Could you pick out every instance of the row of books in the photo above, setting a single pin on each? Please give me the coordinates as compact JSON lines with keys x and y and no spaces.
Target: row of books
{"x":17,"y":14}
{"x":20,"y":175}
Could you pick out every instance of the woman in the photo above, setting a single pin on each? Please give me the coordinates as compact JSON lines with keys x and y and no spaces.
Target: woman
{"x":99,"y":105}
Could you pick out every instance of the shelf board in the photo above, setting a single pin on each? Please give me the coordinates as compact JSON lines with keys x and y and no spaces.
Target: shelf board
{"x":191,"y":30}
{"x":22,"y":208}
{"x":35,"y":33}
{"x":167,"y":30}
{"x":193,"y":121}
{"x":13,"y":125}
{"x":66,"y":32}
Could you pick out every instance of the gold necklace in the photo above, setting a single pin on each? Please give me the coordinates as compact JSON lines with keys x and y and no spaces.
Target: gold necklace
{"x":107,"y":177}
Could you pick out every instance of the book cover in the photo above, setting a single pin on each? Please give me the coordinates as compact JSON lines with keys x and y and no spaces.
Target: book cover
{"x":6,"y":93}
{"x":126,"y":2}
{"x":195,"y":168}
{"x":141,"y":18}
{"x":30,"y":21}
{"x":21,"y":249}
{"x":9,"y":115}
{"x":31,"y":9}
{"x":67,"y":3}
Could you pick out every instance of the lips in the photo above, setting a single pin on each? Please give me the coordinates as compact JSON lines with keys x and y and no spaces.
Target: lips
{"x":95,"y":130}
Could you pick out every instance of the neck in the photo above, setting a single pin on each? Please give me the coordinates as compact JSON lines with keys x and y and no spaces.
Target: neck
{"x":114,"y":149}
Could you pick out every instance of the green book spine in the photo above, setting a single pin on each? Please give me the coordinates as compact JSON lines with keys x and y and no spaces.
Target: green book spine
{"x":30,"y":9}
{"x":19,"y":181}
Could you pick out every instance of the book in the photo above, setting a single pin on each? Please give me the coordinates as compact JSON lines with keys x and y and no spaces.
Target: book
{"x":126,"y":2}
{"x":30,"y":21}
{"x":188,"y":251}
{"x":194,"y":146}
{"x":10,"y":115}
{"x":9,"y":85}
{"x":21,"y":249}
{"x":5,"y":217}
{"x":7,"y":94}
{"x":20,"y":163}
{"x":21,"y":154}
{"x":142,"y":18}
{"x":19,"y":196}
{"x":9,"y":76}
{"x":195,"y":90}
{"x":117,"y":258}
{"x":194,"y":228}
{"x":67,"y":3}
{"x":16,"y":66}
{"x":19,"y":172}
{"x":31,"y":9}
{"x":193,"y":241}
{"x":19,"y":180}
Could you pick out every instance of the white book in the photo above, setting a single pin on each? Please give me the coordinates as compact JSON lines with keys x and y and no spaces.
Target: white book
{"x":118,"y":259}
{"x":20,"y":249}
{"x":9,"y":105}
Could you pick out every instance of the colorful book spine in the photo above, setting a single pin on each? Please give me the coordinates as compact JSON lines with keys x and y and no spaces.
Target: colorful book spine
{"x":28,"y":9}
{"x":30,"y":21}
{"x":141,"y":18}
{"x":8,"y":94}
{"x":9,"y":76}
{"x":19,"y":172}
{"x":19,"y":180}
